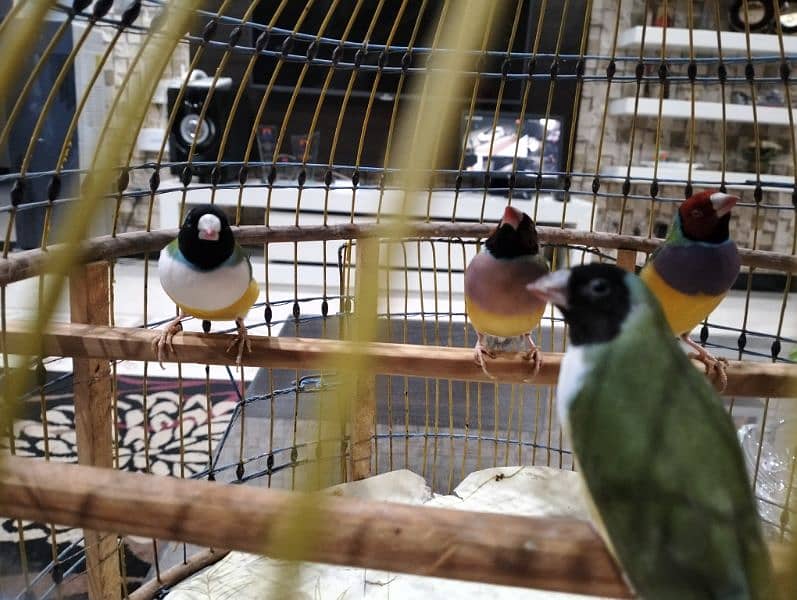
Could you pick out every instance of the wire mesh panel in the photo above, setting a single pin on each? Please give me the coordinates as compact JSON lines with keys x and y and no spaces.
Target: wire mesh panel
{"x":304,"y":122}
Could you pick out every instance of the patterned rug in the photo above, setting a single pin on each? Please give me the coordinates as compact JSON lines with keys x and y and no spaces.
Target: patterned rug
{"x":164,"y":454}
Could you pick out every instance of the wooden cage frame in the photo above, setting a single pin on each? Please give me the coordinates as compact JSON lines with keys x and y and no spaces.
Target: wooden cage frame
{"x":548,"y":553}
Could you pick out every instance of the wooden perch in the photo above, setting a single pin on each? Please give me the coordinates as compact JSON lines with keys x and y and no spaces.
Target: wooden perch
{"x":548,"y":553}
{"x":758,"y":379}
{"x":21,"y":265}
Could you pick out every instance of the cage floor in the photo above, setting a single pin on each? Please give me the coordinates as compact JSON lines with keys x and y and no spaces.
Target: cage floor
{"x":530,"y":491}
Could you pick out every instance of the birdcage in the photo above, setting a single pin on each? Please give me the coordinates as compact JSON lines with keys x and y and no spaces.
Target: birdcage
{"x":362,"y":151}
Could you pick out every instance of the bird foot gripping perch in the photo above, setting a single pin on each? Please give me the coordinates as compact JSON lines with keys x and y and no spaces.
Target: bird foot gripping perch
{"x":479,"y":352}
{"x":164,"y":339}
{"x":241,"y":341}
{"x":532,"y":355}
{"x":716,"y":368}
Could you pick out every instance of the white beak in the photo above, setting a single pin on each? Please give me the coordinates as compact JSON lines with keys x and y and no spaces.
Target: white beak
{"x":723,"y":203}
{"x":209,"y":227}
{"x":552,"y":288}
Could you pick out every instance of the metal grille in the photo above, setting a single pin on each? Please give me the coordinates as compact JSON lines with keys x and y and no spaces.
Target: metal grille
{"x":597,"y":118}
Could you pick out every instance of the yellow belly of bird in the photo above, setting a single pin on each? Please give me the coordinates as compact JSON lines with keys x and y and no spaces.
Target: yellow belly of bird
{"x":505,"y":326}
{"x":683,"y":311}
{"x":237,"y":309}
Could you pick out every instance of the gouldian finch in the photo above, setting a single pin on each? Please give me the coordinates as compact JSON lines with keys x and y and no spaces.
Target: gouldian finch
{"x":208,"y":276}
{"x":496,"y":300}
{"x":656,"y":450}
{"x":694,"y":268}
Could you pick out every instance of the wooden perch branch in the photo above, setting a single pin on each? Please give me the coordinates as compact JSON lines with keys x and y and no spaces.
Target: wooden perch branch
{"x":551,"y":553}
{"x":119,"y":343}
{"x":21,"y":265}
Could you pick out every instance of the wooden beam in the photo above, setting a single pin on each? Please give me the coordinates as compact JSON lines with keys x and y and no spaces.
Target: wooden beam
{"x":89,"y":301}
{"x":626,"y":259}
{"x":548,"y":553}
{"x":759,"y":379}
{"x":22,"y":265}
{"x":364,"y":398}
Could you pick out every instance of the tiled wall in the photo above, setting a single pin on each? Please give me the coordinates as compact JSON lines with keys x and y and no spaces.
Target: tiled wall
{"x":775,"y":228}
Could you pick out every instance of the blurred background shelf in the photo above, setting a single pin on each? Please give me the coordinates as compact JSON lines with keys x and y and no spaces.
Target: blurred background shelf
{"x":704,"y":111}
{"x":733,"y":179}
{"x":705,"y":41}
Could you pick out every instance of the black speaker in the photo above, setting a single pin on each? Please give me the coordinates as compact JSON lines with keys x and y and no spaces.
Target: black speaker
{"x":208,"y":134}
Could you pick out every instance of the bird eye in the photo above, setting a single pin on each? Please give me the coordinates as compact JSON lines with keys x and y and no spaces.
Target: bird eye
{"x":697,"y":214}
{"x":598,"y":288}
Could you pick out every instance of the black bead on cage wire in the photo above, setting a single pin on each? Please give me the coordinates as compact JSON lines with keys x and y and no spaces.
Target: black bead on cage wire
{"x":78,"y":6}
{"x":337,"y":54}
{"x":18,"y":191}
{"x":268,"y":314}
{"x":704,"y":334}
{"x":742,"y":341}
{"x":54,"y":188}
{"x":41,"y":374}
{"x":262,"y":41}
{"x":209,"y":30}
{"x":406,"y":61}
{"x":654,"y":188}
{"x":775,"y":349}
{"x":639,"y":72}
{"x":239,"y":471}
{"x":123,"y":180}
{"x":294,"y":454}
{"x":57,"y":572}
{"x":687,"y":191}
{"x":130,"y":14}
{"x":324,"y":308}
{"x":596,"y":184}
{"x":234,"y":36}
{"x":758,"y":193}
{"x":287,"y":46}
{"x":312,"y":51}
{"x":154,"y":181}
{"x":611,"y":69}
{"x":296,"y":311}
{"x":785,"y":72}
{"x":243,"y":174}
{"x":269,"y":463}
{"x":691,"y":71}
{"x":749,"y":72}
{"x":101,"y":8}
{"x":185,"y":175}
{"x":530,"y":69}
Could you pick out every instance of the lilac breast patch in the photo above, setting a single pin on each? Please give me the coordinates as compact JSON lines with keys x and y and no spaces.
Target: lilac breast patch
{"x":698,"y":268}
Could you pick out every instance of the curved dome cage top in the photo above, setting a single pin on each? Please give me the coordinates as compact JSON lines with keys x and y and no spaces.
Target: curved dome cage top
{"x":362,"y":152}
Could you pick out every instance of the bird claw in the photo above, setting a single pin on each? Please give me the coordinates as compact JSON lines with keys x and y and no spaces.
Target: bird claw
{"x":165,"y":340}
{"x":479,"y":352}
{"x":241,"y":340}
{"x":534,"y":356}
{"x":716,"y":369}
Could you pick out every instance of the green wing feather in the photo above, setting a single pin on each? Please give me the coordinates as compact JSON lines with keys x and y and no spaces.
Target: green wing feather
{"x":664,"y":468}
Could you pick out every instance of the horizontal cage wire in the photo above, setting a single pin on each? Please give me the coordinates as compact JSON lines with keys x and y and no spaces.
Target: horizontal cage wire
{"x":362,"y":153}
